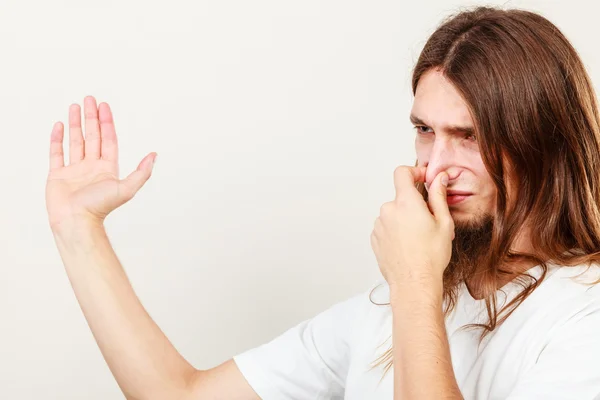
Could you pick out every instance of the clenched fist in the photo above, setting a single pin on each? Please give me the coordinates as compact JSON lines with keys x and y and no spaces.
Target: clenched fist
{"x":412,"y":240}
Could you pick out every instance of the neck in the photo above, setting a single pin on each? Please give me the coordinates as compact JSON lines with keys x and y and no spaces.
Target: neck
{"x":522,"y":244}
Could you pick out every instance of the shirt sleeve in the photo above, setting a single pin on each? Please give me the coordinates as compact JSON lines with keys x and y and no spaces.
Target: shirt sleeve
{"x":308,"y":361}
{"x":569,"y":365}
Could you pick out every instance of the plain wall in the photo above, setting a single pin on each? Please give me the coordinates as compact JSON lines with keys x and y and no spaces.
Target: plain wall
{"x":278,"y":125}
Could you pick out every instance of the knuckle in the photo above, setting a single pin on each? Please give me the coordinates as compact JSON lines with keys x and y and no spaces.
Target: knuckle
{"x":386,"y":208}
{"x":447,"y":224}
{"x":127,"y":193}
{"x":400,"y":171}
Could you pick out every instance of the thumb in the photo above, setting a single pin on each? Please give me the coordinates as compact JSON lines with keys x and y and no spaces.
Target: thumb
{"x":134,"y":181}
{"x":438,"y":202}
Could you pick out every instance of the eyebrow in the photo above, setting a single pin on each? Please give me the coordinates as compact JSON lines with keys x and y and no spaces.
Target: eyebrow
{"x":467,"y":130}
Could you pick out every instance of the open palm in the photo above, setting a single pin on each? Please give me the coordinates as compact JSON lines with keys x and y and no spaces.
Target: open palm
{"x":89,"y":187}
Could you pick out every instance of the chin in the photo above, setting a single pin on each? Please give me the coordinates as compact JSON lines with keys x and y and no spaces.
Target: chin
{"x":462,"y":218}
{"x":461,"y":213}
{"x":469,"y":219}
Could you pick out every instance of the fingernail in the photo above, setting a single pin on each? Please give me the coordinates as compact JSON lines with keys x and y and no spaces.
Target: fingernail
{"x":445,"y":180}
{"x":427,"y":186}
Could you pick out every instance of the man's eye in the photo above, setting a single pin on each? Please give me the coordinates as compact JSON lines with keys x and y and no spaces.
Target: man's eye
{"x":471,"y":137}
{"x":422,"y":129}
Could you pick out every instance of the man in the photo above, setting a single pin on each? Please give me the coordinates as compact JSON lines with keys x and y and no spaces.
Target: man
{"x":489,"y":250}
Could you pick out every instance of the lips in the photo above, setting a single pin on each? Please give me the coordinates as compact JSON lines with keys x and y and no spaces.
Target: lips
{"x":456,"y":196}
{"x":458,"y":193}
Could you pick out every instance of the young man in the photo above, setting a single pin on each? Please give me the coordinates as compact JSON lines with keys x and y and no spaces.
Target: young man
{"x":489,"y":250}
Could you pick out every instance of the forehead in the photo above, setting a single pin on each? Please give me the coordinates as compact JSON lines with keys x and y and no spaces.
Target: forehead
{"x":438,"y":103}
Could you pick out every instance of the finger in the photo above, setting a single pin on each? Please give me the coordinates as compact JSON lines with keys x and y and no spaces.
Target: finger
{"x":438,"y":201}
{"x":375,"y":244}
{"x":75,"y":134}
{"x":92,"y":129}
{"x":377,"y":226}
{"x":406,"y":177}
{"x":134,"y":181}
{"x":108,"y":135}
{"x":57,"y":157}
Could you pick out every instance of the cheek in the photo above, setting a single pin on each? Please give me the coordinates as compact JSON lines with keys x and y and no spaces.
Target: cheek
{"x":491,"y":198}
{"x":476,"y":165}
{"x":423,"y":150}
{"x":487,"y":189}
{"x":483,"y":181}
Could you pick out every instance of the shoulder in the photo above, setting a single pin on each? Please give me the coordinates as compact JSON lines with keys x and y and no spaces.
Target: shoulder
{"x":567,"y":292}
{"x":356,"y":319}
{"x":582,"y":281}
{"x":373,"y":299}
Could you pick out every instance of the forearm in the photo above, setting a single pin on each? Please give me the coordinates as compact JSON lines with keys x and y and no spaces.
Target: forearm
{"x":143,"y":361}
{"x":422,"y":364}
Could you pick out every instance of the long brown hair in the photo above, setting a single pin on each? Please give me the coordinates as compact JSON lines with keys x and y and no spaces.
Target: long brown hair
{"x":537,"y":122}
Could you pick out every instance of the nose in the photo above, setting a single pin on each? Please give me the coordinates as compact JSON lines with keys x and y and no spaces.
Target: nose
{"x":442,"y":157}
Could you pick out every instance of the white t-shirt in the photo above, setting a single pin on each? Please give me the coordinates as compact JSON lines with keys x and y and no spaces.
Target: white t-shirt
{"x":549,"y":348}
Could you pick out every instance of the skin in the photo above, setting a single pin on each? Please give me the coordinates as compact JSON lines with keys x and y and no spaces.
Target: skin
{"x":411,"y":241}
{"x":79,"y":196}
{"x":439,"y":107}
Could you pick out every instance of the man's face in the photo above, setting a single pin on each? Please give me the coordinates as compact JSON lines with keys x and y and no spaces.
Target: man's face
{"x":445,"y":141}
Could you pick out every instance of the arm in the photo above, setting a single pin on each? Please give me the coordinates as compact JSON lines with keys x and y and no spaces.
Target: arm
{"x":412,"y":241}
{"x":143,"y":361}
{"x":79,"y":196}
{"x":421,"y":353}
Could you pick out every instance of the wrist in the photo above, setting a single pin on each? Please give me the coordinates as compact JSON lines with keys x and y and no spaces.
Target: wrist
{"x":425,"y":291}
{"x":79,"y":222}
{"x":78,"y":231}
{"x":419,"y":281}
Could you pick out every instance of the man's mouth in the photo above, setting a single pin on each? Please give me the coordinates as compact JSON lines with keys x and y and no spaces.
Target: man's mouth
{"x":457,"y":196}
